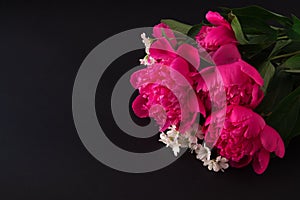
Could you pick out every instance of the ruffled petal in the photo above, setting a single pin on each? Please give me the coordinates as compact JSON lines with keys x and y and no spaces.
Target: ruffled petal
{"x":226,"y":54}
{"x":272,"y":141}
{"x":181,"y":66}
{"x":252,"y":72}
{"x":257,"y":96}
{"x":139,"y":108}
{"x":157,"y":33}
{"x":218,"y":36}
{"x":162,"y":49}
{"x":190,"y":54}
{"x":216,"y":19}
{"x":260,"y":161}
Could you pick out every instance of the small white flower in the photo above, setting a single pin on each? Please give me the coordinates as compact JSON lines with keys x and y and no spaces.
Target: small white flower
{"x":147,"y":60}
{"x":147,"y":42}
{"x":203,"y":152}
{"x":171,"y":139}
{"x":222,"y":162}
{"x":219,"y":164}
{"x":191,"y":137}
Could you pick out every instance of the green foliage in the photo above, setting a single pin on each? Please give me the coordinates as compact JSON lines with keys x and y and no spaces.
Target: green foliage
{"x":286,"y":116}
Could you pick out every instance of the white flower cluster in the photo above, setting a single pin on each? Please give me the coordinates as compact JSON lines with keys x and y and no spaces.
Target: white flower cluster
{"x":176,"y":140}
{"x":147,"y":60}
{"x":204,"y":153}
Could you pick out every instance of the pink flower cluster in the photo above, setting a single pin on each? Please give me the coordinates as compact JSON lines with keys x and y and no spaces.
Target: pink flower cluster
{"x":174,"y":92}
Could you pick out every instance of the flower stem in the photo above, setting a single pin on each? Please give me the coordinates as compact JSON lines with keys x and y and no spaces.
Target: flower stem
{"x":285,"y":55}
{"x":282,"y":37}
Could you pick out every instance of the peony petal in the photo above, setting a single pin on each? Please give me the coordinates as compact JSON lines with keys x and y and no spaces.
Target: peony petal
{"x":226,"y":54}
{"x":139,"y":108}
{"x":260,"y":161}
{"x":216,"y":19}
{"x":190,"y":54}
{"x":257,"y":96}
{"x":180,"y":65}
{"x":218,"y":36}
{"x":272,"y":141}
{"x":157,"y":33}
{"x":252,"y":72}
{"x":136,"y":78}
{"x":255,"y":125}
{"x":162,"y":49}
{"x":232,"y":74}
{"x":239,"y":113}
{"x":280,"y":150}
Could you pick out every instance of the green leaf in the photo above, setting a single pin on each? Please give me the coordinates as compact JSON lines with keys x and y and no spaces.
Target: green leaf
{"x":177,"y":26}
{"x":262,"y":39}
{"x":285,"y":116}
{"x":292,"y":63}
{"x":260,"y":14}
{"x":236,"y":26}
{"x":294,"y":71}
{"x":279,"y":46}
{"x":267,"y":71}
{"x":252,"y":25}
{"x":294,"y":32}
{"x":194,"y":30}
{"x":279,"y":87}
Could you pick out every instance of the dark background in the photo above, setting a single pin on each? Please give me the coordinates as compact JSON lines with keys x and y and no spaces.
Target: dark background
{"x":42,"y":45}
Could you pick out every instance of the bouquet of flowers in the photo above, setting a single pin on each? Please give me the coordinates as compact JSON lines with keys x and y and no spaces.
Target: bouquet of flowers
{"x":227,"y":88}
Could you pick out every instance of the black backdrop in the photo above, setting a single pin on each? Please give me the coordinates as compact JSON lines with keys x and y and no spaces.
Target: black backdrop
{"x":41,"y":156}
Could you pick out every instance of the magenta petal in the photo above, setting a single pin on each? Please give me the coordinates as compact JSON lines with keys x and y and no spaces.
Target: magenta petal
{"x":139,"y":108}
{"x":190,"y":54}
{"x":136,"y":78}
{"x":255,"y":125}
{"x":216,"y":19}
{"x":162,"y":49}
{"x":232,"y":74}
{"x":239,"y":113}
{"x":180,"y":65}
{"x":252,"y":72}
{"x":219,"y":36}
{"x":280,"y":150}
{"x":158,"y":29}
{"x":268,"y":138}
{"x":226,"y":54}
{"x":272,"y":141}
{"x":257,"y":96}
{"x":260,"y":161}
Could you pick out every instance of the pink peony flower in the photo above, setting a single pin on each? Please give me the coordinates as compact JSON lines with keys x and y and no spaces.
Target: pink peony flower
{"x":240,"y":81}
{"x":164,"y":86}
{"x":245,"y":137}
{"x":212,"y":37}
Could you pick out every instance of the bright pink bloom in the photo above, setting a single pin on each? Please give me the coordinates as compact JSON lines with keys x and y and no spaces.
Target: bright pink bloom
{"x":245,"y":137}
{"x":240,"y":81}
{"x":164,"y":86}
{"x":212,"y":37}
